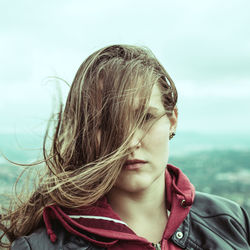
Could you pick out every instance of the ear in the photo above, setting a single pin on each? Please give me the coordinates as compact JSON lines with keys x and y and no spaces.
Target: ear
{"x":174,"y":120}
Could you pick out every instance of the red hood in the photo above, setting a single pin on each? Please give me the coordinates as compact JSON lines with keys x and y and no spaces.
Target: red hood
{"x":108,"y":228}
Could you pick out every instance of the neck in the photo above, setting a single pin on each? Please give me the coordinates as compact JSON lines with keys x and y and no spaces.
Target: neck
{"x":141,"y":204}
{"x":144,"y":211}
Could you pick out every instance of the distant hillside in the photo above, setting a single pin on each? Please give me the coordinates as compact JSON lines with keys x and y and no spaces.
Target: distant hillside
{"x":24,"y":146}
{"x":191,"y":142}
{"x":21,"y":147}
{"x":218,"y":165}
{"x":221,"y":172}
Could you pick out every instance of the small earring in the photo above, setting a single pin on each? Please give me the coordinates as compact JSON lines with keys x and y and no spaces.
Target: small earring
{"x":171,"y":135}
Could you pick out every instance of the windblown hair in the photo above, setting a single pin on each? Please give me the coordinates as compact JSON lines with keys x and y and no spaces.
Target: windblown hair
{"x":92,"y":133}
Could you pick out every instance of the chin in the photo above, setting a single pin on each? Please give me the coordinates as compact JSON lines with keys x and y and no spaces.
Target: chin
{"x":135,"y":184}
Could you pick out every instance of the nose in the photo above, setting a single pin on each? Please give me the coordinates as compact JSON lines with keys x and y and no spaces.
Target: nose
{"x":136,"y":141}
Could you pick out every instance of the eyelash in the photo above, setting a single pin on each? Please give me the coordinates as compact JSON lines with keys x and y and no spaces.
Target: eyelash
{"x":149,"y":117}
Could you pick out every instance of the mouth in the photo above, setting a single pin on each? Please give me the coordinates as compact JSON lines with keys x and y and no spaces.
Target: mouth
{"x":134,"y":164}
{"x":129,"y":162}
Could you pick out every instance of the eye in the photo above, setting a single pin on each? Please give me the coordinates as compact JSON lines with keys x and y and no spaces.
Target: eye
{"x":149,"y":117}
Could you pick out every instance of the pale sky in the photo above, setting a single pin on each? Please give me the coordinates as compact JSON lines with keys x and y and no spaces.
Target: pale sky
{"x":204,"y":46}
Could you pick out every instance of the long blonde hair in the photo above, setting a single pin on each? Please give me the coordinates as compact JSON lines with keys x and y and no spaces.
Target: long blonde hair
{"x":91,"y":133}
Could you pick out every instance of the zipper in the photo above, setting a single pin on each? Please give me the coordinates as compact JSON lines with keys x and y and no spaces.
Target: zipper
{"x":157,"y":246}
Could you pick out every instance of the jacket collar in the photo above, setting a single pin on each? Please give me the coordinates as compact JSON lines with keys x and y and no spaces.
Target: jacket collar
{"x":106,"y":227}
{"x":180,"y":236}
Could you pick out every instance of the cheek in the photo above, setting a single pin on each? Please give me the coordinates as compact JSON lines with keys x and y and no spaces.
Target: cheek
{"x":157,"y":142}
{"x":157,"y":150}
{"x":159,"y":134}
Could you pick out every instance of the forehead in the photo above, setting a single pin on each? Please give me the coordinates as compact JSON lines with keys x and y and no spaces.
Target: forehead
{"x":155,"y":100}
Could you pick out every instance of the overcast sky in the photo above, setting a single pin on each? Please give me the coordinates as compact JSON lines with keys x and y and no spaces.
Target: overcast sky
{"x":204,"y":45}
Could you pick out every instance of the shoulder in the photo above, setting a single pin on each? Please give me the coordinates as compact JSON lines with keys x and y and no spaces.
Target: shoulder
{"x":39,"y":240}
{"x":208,"y":205}
{"x":219,"y":219}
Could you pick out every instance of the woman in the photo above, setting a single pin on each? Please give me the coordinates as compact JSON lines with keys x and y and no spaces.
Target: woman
{"x":107,"y":183}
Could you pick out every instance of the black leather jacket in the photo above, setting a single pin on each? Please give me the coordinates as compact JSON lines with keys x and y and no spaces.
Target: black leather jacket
{"x":212,"y":223}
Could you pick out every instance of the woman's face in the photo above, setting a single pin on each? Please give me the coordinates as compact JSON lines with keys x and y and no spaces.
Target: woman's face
{"x":152,"y":148}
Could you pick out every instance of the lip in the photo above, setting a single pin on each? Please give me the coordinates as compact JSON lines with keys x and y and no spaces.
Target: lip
{"x":134,"y":164}
{"x":135,"y":161}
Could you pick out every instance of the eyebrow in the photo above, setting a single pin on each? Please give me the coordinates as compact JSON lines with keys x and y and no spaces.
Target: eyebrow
{"x":151,"y":109}
{"x":154,"y":109}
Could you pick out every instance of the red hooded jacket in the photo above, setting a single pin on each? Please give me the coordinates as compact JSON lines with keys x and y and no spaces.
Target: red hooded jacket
{"x":100,"y":225}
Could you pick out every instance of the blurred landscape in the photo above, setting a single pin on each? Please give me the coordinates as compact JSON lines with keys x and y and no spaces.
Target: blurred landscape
{"x":222,"y":172}
{"x":217,"y":164}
